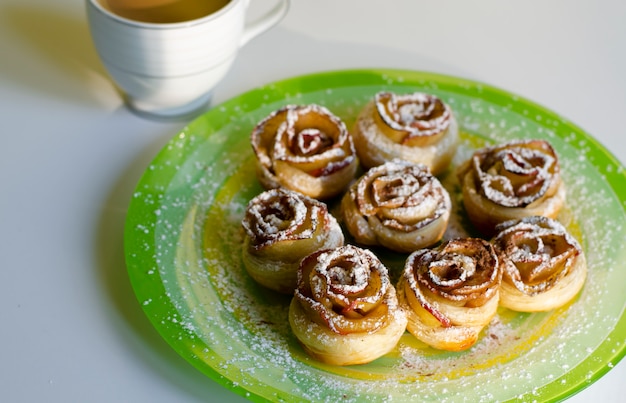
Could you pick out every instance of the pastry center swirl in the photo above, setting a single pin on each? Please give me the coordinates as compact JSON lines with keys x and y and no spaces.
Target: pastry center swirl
{"x":311,"y":133}
{"x":278,"y":215}
{"x":394,"y":190}
{"x":517,"y":174}
{"x":452,"y":270}
{"x":402,"y":195}
{"x":464,"y":270}
{"x":309,"y":142}
{"x":539,"y":251}
{"x":346,"y":289}
{"x":417,"y":114}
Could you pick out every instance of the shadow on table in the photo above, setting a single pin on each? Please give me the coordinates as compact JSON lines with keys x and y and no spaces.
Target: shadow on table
{"x":50,"y":51}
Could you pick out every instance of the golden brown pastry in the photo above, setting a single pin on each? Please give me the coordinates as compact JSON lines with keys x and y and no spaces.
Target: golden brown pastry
{"x":414,"y":127}
{"x":510,"y":181}
{"x":282,"y":227}
{"x":345,"y":309}
{"x":399,"y":205}
{"x":450,"y":293}
{"x":544,"y":266}
{"x":304,"y":148}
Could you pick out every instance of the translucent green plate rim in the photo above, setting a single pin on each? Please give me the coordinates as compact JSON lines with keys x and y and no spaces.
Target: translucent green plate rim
{"x":140,"y":246}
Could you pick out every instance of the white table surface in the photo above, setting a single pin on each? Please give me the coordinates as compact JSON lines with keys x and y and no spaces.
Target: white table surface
{"x":71,"y":155}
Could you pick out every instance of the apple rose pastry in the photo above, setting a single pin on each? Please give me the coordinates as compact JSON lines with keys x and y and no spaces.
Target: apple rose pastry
{"x":282,"y":227}
{"x":345,"y":309}
{"x":304,"y":148}
{"x":450,"y":293}
{"x":399,"y":205}
{"x":543,"y":265}
{"x":510,"y":181}
{"x":414,"y":127}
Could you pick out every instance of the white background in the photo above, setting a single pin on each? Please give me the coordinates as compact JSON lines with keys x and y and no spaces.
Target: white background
{"x":71,"y":154}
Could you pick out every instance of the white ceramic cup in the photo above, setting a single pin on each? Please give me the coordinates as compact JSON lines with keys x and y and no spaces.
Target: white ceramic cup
{"x":169,"y":69}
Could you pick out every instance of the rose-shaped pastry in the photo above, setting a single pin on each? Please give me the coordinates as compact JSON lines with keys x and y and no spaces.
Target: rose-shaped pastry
{"x":304,"y":148}
{"x":414,"y":127}
{"x":510,"y":181}
{"x":345,"y":309}
{"x":544,"y":266}
{"x":450,"y":293}
{"x":282,"y":227}
{"x":399,"y":205}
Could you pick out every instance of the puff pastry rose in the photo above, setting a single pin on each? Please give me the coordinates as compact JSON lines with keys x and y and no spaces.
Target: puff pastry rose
{"x":414,"y":127}
{"x":345,"y":309}
{"x":544,"y":266}
{"x":450,"y":293}
{"x":304,"y":148}
{"x":510,"y":181}
{"x":399,"y":205}
{"x":282,"y":227}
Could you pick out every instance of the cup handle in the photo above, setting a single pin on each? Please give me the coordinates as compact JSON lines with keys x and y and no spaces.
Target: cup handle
{"x":263,"y":23}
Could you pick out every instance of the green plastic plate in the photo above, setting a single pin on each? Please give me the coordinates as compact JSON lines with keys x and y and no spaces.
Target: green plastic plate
{"x":183,"y":243}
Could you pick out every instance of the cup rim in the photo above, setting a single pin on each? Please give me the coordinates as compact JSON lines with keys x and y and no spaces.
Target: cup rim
{"x":162,"y":25}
